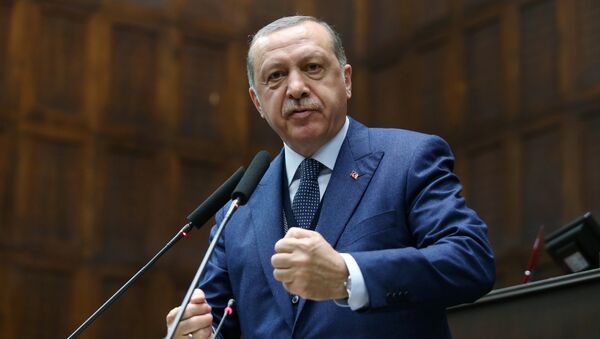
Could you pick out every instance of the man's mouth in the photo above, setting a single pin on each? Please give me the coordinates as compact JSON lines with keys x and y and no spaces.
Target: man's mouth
{"x":300,"y":113}
{"x":302,"y":110}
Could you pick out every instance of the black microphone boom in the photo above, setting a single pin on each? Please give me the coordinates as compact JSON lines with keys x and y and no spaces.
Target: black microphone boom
{"x":240,"y":196}
{"x":249,"y":181}
{"x":197,"y":218}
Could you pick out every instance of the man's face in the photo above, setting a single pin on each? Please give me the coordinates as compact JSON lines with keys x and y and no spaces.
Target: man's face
{"x":300,"y":87}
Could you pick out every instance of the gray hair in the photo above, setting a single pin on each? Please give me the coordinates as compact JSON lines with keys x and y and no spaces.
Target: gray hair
{"x":289,"y":21}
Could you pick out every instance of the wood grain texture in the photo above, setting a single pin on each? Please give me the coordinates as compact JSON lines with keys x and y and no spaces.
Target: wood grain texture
{"x":117,"y":118}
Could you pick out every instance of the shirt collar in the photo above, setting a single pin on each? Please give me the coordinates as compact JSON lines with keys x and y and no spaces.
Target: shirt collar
{"x":326,"y":155}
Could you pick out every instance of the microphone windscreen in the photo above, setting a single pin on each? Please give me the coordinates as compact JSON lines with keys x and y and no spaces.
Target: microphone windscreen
{"x":256,"y":170}
{"x":216,"y":200}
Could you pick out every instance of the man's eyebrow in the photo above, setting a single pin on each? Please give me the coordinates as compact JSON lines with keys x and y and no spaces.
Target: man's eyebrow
{"x":305,"y":55}
{"x":271,"y":64}
{"x":312,"y":53}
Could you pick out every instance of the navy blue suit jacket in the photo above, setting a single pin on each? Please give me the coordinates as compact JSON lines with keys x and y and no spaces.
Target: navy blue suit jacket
{"x":419,"y":247}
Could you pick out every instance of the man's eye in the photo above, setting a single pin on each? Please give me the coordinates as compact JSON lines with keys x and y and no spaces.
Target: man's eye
{"x":313,"y":68}
{"x":275,"y":76}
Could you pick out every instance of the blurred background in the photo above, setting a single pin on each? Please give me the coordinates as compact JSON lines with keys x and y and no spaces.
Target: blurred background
{"x":118,"y":117}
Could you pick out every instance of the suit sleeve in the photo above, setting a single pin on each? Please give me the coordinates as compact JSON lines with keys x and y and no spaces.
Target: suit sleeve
{"x":451,"y":261}
{"x":216,"y":286}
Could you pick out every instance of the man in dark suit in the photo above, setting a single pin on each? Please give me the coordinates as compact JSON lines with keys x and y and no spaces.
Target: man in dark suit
{"x":384,"y":242}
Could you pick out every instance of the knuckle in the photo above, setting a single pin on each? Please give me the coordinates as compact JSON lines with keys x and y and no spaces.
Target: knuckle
{"x":301,"y":260}
{"x":171,"y":314}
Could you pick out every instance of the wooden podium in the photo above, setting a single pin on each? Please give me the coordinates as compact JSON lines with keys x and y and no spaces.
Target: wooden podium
{"x":562,"y":307}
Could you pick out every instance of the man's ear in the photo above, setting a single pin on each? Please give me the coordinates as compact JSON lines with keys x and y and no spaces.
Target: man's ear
{"x":348,"y":80}
{"x":256,"y":101}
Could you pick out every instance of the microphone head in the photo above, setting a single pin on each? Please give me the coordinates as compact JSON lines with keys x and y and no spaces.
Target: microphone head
{"x":256,"y":170}
{"x":216,"y":200}
{"x":230,"y":302}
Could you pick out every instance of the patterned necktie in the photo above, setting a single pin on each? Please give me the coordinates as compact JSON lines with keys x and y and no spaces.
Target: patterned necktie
{"x":307,"y":198}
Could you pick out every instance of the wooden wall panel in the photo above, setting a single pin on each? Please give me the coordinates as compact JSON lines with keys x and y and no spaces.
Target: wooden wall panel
{"x":5,"y":11}
{"x":7,"y":171}
{"x":124,"y":318}
{"x":261,"y":135}
{"x":143,"y":3}
{"x":588,"y":43}
{"x":386,"y":24}
{"x":43,"y":294}
{"x":474,"y":3}
{"x":59,"y":70}
{"x":123,"y":108}
{"x":390,"y":98}
{"x":538,"y":56}
{"x":131,"y":197}
{"x":542,"y":182}
{"x":433,"y":79}
{"x":197,"y":179}
{"x":203,"y":90}
{"x":429,"y":11}
{"x":488,"y":191}
{"x":484,"y":75}
{"x":49,"y":195}
{"x":262,"y":12}
{"x":340,"y":14}
{"x":211,"y":14}
{"x":133,"y":78}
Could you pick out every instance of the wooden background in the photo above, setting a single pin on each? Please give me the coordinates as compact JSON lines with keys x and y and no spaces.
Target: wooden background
{"x":117,"y":117}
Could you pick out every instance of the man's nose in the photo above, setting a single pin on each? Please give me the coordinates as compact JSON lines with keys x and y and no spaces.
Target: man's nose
{"x":297,"y":87}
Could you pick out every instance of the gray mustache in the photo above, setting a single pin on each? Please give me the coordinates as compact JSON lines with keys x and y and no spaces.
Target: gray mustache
{"x":304,"y":104}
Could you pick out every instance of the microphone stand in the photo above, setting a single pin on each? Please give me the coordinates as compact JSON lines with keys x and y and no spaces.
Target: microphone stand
{"x":197,"y":218}
{"x":188,"y":296}
{"x":185,"y":230}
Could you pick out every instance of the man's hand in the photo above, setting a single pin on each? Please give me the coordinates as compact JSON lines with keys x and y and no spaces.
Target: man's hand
{"x":308,"y":266}
{"x":196,"y":320}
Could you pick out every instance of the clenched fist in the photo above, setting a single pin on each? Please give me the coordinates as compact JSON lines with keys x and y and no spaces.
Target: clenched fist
{"x":308,"y":266}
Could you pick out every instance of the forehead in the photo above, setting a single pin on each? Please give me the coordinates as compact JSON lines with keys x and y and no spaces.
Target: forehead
{"x":302,"y":36}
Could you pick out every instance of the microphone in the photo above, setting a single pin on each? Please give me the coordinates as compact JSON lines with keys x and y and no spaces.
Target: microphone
{"x":249,"y":181}
{"x":242,"y":192}
{"x":227,"y":311}
{"x":216,"y":200}
{"x":197,"y":218}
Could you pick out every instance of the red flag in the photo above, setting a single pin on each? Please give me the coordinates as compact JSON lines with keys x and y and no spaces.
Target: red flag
{"x":535,"y":254}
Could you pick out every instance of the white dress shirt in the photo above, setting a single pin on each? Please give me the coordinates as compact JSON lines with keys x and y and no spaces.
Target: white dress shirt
{"x":327,"y":156}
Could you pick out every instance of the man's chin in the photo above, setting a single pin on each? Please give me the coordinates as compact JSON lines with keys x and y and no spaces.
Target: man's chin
{"x":306,"y":141}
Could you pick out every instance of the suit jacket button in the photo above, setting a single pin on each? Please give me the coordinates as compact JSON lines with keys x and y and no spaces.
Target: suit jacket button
{"x":295,"y":299}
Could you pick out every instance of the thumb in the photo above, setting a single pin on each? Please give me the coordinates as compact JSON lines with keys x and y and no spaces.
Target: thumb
{"x":198,"y":297}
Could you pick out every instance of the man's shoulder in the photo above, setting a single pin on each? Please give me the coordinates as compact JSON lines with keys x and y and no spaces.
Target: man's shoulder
{"x":394,"y":133}
{"x":398,"y":133}
{"x":404,"y":137}
{"x":395,"y":141}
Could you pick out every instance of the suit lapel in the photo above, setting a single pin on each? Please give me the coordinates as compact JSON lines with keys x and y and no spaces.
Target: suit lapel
{"x":344,"y":192}
{"x":266,"y":221}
